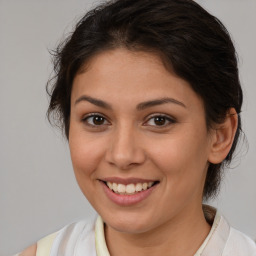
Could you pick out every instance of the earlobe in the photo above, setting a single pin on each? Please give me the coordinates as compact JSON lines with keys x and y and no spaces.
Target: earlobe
{"x":223,"y":137}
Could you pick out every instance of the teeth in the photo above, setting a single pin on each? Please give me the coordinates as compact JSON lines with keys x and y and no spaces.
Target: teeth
{"x":110,"y":185}
{"x":144,"y":186}
{"x":121,"y":188}
{"x":130,"y":188}
{"x":138,"y":187}
{"x":114,"y":187}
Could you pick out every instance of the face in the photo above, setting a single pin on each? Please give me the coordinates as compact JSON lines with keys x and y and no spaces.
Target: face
{"x":138,"y":141}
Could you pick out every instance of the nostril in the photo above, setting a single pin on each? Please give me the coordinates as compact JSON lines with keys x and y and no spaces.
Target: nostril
{"x":125,"y":158}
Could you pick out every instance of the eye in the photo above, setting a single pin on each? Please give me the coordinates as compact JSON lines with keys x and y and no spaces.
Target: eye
{"x":160,"y":121}
{"x":95,"y":120}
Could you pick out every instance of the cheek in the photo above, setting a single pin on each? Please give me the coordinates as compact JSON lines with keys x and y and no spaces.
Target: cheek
{"x":86,"y":153}
{"x":85,"y":156}
{"x":182,"y":160}
{"x":180,"y":151}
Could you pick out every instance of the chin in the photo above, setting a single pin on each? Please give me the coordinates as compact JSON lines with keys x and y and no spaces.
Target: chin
{"x":128,"y":224}
{"x":129,"y":228}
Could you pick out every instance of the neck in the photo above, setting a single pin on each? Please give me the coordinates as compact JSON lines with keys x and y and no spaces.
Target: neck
{"x":178,"y":237}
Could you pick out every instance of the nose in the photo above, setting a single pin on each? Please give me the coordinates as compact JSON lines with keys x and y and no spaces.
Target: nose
{"x":125,"y":150}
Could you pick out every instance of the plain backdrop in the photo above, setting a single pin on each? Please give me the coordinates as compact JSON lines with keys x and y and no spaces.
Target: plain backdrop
{"x":38,"y":192}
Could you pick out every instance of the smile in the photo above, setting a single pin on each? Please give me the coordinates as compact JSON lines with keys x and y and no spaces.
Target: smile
{"x":127,"y":192}
{"x":129,"y":189}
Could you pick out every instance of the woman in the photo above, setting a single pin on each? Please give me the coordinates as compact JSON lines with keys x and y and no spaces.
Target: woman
{"x":149,"y":97}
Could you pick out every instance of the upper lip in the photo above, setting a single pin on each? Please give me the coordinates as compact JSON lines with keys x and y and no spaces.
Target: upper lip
{"x":126,"y":181}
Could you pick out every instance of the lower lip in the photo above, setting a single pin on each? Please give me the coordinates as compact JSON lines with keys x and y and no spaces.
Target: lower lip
{"x":127,"y":200}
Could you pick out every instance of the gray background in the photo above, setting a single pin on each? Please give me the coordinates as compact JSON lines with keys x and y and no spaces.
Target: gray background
{"x":38,"y":192}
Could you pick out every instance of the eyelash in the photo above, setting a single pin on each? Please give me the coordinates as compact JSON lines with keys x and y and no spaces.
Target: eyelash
{"x":93,"y":115}
{"x":151,"y":117}
{"x":167,"y":119}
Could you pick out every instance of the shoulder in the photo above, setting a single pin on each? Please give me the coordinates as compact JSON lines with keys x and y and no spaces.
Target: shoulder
{"x":69,"y":237}
{"x":77,"y":228}
{"x":30,"y":251}
{"x":239,"y":244}
{"x":75,"y":237}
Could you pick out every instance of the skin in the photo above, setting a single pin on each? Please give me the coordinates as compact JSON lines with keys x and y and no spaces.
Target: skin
{"x":129,"y":143}
{"x":30,"y":251}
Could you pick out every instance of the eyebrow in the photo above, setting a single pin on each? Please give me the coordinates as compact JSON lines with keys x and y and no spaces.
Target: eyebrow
{"x":97,"y":102}
{"x":156,"y":102}
{"x":140,"y":106}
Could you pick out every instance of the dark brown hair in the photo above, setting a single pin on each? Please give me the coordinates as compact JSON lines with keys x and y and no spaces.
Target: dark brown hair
{"x":195,"y":44}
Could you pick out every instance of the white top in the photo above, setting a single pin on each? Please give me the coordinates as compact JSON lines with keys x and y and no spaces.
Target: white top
{"x":87,"y":238}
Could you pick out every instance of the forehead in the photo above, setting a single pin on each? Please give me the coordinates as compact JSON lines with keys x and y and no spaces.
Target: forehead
{"x":130,"y":75}
{"x":106,"y":62}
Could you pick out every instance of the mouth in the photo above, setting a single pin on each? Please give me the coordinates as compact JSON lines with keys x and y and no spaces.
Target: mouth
{"x":129,"y":189}
{"x":128,"y":192}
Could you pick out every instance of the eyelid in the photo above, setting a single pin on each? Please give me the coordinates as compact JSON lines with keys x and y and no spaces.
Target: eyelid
{"x":169,"y":118}
{"x":93,"y":114}
{"x":85,"y":117}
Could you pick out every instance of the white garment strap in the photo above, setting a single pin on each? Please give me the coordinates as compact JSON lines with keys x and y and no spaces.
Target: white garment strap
{"x":100,"y":242}
{"x":218,"y":240}
{"x":212,"y":231}
{"x":45,"y":244}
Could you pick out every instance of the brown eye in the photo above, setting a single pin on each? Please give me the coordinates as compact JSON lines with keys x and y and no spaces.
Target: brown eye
{"x":98,"y":120}
{"x":160,"y":120}
{"x":95,"y":120}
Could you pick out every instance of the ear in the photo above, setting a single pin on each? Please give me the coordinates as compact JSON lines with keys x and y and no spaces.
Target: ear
{"x":223,"y":137}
